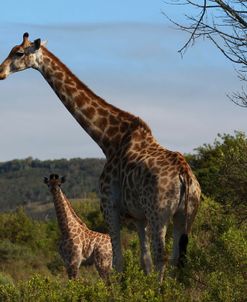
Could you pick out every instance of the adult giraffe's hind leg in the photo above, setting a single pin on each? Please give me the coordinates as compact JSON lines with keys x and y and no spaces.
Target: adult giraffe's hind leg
{"x":158,"y":229}
{"x":146,"y":260}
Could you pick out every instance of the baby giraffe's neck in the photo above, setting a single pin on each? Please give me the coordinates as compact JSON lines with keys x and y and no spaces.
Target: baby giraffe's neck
{"x":68,"y":221}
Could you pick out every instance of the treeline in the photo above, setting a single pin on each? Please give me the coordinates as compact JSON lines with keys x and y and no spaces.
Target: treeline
{"x":21,"y":181}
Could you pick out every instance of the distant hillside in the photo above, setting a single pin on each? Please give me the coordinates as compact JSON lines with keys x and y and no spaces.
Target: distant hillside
{"x":21,"y":181}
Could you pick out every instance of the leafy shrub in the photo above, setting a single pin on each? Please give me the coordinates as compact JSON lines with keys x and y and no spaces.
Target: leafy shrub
{"x":215,"y":269}
{"x":56,"y":265}
{"x":10,"y":251}
{"x":217,"y":255}
{"x":221,"y":170}
{"x":19,"y":228}
{"x":5,"y":279}
{"x":89,"y":211}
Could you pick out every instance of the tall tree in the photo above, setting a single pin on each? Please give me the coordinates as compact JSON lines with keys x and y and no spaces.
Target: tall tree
{"x":224,"y":23}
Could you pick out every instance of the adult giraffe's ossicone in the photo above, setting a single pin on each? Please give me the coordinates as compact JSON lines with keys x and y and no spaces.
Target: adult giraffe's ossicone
{"x":141,"y":181}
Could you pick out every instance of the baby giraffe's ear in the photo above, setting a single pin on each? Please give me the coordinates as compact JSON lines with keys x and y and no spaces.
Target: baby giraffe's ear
{"x":46,"y":180}
{"x":63,"y":179}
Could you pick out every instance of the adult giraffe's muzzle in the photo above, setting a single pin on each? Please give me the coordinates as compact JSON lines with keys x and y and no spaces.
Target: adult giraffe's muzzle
{"x":2,"y":73}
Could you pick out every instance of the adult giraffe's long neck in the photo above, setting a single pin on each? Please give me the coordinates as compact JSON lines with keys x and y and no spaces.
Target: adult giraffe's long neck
{"x":106,"y":124}
{"x":66,"y":216}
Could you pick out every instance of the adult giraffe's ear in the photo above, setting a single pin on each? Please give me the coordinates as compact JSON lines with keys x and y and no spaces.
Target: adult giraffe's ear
{"x":46,"y":180}
{"x":37,"y":44}
{"x":63,"y":179}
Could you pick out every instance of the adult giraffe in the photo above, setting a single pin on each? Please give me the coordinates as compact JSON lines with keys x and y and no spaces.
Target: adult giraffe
{"x":141,"y":180}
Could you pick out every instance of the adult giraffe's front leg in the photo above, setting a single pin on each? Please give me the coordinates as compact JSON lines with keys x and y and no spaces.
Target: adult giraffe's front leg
{"x":112,"y":219}
{"x":110,"y":205}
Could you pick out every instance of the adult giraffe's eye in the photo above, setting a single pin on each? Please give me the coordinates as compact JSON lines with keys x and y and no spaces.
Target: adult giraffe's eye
{"x":19,"y":54}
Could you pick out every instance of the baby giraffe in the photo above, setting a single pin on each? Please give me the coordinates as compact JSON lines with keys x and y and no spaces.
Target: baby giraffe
{"x":78,"y":244}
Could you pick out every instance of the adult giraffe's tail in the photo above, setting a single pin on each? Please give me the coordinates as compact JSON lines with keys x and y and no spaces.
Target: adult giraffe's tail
{"x":188,"y":181}
{"x":183,"y":241}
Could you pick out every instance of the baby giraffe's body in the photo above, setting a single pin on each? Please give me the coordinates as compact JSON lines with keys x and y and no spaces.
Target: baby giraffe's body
{"x":78,"y":243}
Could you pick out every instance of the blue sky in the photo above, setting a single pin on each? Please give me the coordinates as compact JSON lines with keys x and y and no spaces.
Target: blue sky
{"x":78,"y":11}
{"x":127,"y":53}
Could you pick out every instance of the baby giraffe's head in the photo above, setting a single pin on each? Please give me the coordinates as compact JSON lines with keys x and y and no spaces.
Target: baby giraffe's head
{"x":54,"y":181}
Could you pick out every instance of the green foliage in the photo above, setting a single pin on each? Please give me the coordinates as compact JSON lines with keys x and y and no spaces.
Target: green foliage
{"x":217,"y":255}
{"x":222,"y":288}
{"x":18,"y":228}
{"x":89,"y":211}
{"x":221,"y":171}
{"x":234,"y":244}
{"x":56,"y":265}
{"x":26,"y":245}
{"x":21,"y":180}
{"x":132,"y":285}
{"x":215,"y":269}
{"x":42,"y":289}
{"x":5,"y":279}
{"x":10,"y":251}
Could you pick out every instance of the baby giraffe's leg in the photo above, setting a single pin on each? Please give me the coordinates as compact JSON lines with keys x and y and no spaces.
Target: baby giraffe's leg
{"x":72,"y":271}
{"x":72,"y":259}
{"x":74,"y":265}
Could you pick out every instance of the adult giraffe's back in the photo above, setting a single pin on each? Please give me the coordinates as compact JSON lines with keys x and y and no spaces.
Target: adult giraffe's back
{"x":141,"y":180}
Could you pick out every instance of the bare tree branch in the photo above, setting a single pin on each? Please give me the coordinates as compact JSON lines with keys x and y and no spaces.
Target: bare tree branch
{"x":232,"y":12}
{"x":224,"y":23}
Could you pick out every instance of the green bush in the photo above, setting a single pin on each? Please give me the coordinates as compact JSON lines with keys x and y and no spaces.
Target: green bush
{"x":221,"y":170}
{"x":89,"y":211}
{"x":217,"y":255}
{"x":10,"y":251}
{"x":234,"y":243}
{"x":56,"y":265}
{"x":19,"y":228}
{"x":223,"y":288}
{"x":215,"y":269}
{"x":5,"y":279}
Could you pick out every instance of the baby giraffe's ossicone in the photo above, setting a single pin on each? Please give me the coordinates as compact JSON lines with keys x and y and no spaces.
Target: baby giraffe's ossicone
{"x":78,"y":244}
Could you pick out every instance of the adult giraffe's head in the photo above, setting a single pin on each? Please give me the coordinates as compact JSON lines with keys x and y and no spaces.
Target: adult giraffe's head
{"x":21,"y":57}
